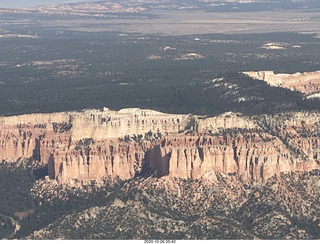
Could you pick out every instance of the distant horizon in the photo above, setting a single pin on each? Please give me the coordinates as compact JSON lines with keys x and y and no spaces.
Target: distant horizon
{"x":34,"y":3}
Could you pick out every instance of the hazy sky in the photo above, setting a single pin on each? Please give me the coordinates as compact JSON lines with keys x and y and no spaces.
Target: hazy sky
{"x":33,"y":3}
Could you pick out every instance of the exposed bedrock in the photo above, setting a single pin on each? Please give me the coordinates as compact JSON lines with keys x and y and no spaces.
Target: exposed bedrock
{"x":97,"y":143}
{"x":307,"y":83}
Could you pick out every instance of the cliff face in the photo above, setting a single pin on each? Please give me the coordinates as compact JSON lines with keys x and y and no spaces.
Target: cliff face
{"x":30,"y":140}
{"x":307,"y":83}
{"x":94,"y":144}
{"x":39,"y":135}
{"x":251,"y":155}
{"x":105,"y":158}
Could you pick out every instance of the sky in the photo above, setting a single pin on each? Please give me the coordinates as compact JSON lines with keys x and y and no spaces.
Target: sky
{"x":33,"y":3}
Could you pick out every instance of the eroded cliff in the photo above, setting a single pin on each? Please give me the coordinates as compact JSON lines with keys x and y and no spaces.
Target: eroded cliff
{"x":131,"y":142}
{"x":307,"y":83}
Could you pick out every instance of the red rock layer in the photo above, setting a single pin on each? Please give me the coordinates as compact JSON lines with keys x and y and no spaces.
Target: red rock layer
{"x":106,"y":158}
{"x":29,"y":140}
{"x":248,"y":152}
{"x":251,"y":156}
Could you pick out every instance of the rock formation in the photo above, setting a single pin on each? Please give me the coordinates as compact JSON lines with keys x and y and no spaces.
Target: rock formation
{"x":97,"y":143}
{"x":307,"y":83}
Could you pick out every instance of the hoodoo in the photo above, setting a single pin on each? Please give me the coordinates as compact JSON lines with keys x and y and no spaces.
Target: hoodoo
{"x":97,"y":143}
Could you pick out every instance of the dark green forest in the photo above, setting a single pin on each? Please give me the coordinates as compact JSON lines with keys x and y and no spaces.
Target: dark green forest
{"x":78,"y":70}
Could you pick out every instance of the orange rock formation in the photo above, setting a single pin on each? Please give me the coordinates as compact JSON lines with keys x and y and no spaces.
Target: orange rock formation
{"x":93,"y":144}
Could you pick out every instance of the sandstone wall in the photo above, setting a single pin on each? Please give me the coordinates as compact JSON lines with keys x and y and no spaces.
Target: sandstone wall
{"x":308,"y":82}
{"x":251,"y":156}
{"x":24,"y":135}
{"x":107,"y":158}
{"x":97,"y":143}
{"x":227,"y":120}
{"x":111,"y":124}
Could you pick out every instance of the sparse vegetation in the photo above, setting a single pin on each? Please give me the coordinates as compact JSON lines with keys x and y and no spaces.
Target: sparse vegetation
{"x":61,"y":127}
{"x":157,"y":208}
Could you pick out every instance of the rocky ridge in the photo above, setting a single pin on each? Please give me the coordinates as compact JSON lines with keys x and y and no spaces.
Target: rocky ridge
{"x":307,"y":82}
{"x":133,"y":142}
{"x":100,"y":8}
{"x":219,"y":207}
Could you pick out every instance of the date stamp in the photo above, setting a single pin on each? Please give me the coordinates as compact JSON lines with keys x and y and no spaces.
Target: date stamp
{"x":160,"y":241}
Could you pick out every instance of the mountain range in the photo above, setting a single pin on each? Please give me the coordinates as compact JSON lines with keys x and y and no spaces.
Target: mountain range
{"x":209,"y":5}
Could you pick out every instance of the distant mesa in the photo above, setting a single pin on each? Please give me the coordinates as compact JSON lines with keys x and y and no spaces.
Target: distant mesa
{"x":307,"y":83}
